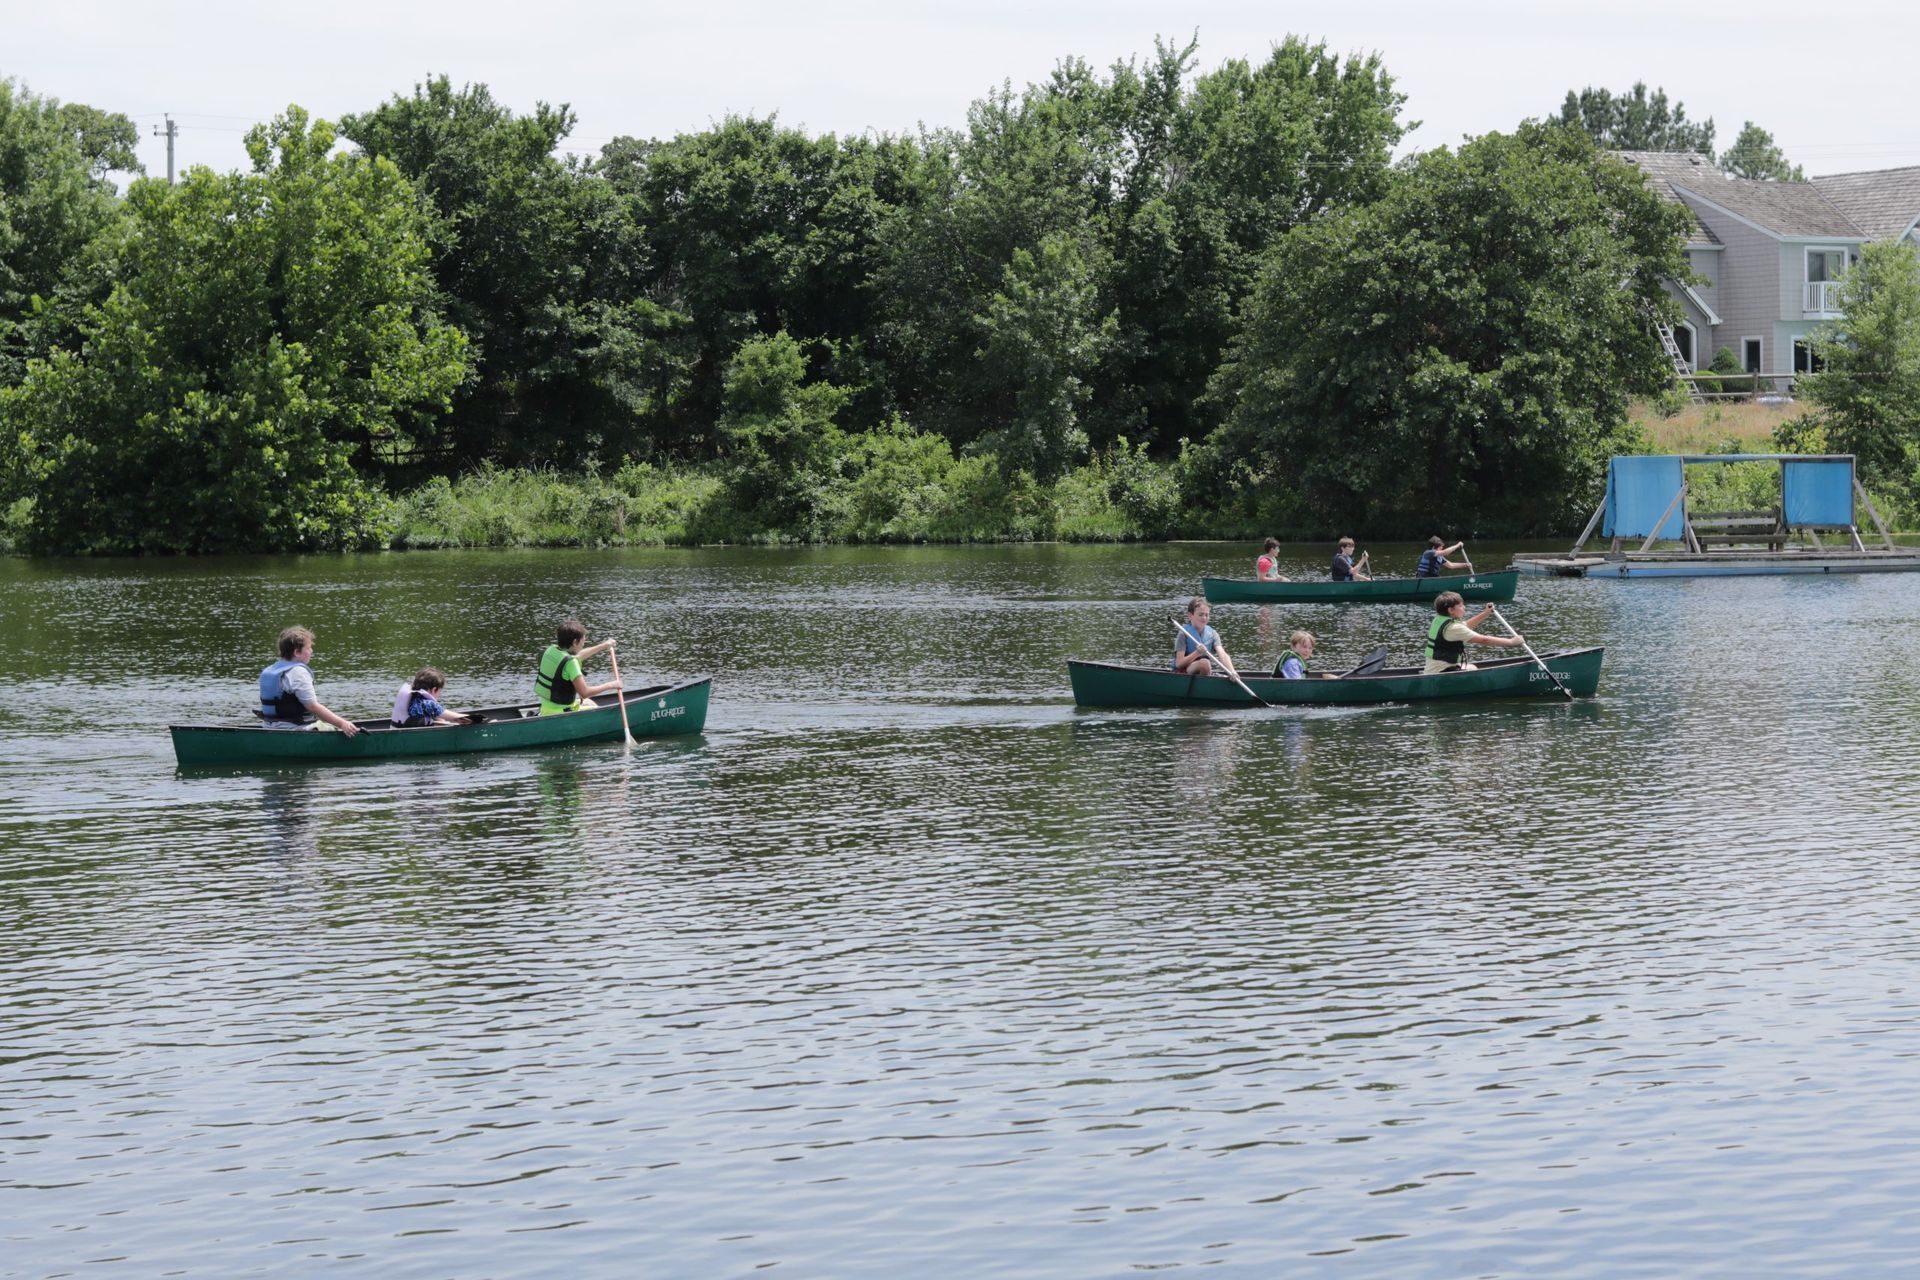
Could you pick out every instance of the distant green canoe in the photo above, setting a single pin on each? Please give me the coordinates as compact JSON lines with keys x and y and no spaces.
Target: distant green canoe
{"x":1471,"y":586}
{"x":1108,"y":684}
{"x":653,"y":712}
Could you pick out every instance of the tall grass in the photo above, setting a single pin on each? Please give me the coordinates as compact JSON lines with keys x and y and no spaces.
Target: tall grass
{"x":1726,"y":427}
{"x":640,"y":505}
{"x":885,"y":488}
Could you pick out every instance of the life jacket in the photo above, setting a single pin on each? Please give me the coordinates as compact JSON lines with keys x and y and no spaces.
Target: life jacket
{"x":544,"y":680}
{"x":423,"y":708}
{"x":1439,"y":650}
{"x":278,"y":703}
{"x":402,"y":703}
{"x":1299,"y":663}
{"x":1342,"y":567}
{"x":1207,"y":638}
{"x":1430,"y":564}
{"x":1263,"y":566}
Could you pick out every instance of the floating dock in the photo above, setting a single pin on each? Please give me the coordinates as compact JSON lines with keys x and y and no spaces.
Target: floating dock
{"x":1646,"y":502}
{"x":1719,"y":564}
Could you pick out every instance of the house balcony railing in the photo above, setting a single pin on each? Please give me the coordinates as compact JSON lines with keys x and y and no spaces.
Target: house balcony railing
{"x":1823,"y":297}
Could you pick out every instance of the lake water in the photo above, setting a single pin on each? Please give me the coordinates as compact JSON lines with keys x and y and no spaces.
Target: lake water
{"x":906,"y":965}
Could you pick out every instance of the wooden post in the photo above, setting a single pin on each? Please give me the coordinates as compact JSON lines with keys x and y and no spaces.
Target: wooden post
{"x":1878,"y":523}
{"x":1661,"y":523}
{"x":1591,"y":526}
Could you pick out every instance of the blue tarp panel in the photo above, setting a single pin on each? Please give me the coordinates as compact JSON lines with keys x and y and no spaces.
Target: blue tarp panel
{"x":1638,"y":490}
{"x":1817,"y":493}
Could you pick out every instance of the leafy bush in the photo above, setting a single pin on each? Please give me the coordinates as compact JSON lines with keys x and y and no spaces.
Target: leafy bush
{"x":896,"y":478}
{"x":16,"y":518}
{"x":1084,"y":506}
{"x":1147,"y":492}
{"x":1733,"y":486}
{"x":1724,"y":366}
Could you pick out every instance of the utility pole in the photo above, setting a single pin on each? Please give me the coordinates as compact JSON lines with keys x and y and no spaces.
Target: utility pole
{"x":170,"y":132}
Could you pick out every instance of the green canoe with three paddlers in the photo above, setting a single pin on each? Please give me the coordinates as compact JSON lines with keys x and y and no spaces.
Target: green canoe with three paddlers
{"x":1471,"y":586}
{"x":1112,"y":684}
{"x":653,"y":712}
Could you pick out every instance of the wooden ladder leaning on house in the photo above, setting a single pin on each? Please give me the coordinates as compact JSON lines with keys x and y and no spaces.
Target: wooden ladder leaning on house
{"x":1679,"y":363}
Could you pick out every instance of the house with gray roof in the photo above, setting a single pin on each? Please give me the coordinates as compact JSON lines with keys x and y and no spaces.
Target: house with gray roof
{"x":1770,"y":254}
{"x":1884,"y":203}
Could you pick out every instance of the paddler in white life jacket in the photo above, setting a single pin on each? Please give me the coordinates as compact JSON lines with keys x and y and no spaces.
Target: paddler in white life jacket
{"x":1451,"y":631}
{"x":558,"y":682}
{"x":287,"y":699}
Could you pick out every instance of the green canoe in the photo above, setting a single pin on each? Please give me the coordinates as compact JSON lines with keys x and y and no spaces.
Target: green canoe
{"x":1110,"y":684}
{"x":653,"y":712}
{"x":1471,"y":586}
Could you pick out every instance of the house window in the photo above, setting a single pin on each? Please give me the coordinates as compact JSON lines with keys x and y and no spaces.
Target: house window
{"x":1825,"y":264}
{"x":1824,"y":269}
{"x":1805,"y":358}
{"x":1683,"y":339}
{"x":1750,"y":354}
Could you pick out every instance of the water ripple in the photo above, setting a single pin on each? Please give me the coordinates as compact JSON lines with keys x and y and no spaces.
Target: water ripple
{"x":906,"y":963}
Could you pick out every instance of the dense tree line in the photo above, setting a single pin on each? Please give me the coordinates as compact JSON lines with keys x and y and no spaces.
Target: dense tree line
{"x":1215,"y":287}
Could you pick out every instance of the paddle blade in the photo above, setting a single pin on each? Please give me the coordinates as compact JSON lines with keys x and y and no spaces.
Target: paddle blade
{"x":1369,"y":664}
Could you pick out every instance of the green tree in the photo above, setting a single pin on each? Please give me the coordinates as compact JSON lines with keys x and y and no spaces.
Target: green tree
{"x":1754,"y":155}
{"x":753,"y":229}
{"x":1258,"y":151}
{"x":1459,"y":353}
{"x":59,"y":219}
{"x":106,"y":139}
{"x":1866,"y":397}
{"x":541,"y":263}
{"x":271,"y":329}
{"x":1635,"y":120}
{"x":1042,"y":336}
{"x":780,"y":431}
{"x":1169,"y":195}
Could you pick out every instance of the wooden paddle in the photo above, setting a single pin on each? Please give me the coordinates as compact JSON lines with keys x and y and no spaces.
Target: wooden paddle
{"x":621,"y":694}
{"x":1530,"y":653}
{"x":1180,"y":625}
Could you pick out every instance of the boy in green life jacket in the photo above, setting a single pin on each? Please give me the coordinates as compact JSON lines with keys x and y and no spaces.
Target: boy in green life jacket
{"x":1451,"y":631}
{"x":559,"y":684}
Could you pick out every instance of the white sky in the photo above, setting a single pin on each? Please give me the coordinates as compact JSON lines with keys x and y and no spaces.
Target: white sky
{"x":1835,"y":86}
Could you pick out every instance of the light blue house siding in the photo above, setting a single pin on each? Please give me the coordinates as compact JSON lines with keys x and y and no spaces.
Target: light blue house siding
{"x":1805,"y":302}
{"x":1762,"y":287}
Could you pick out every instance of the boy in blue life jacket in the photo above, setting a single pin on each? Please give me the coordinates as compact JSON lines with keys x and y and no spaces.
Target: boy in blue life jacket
{"x":287,"y":699}
{"x":1434,"y":562}
{"x":1196,"y":646}
{"x":1345,"y":567}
